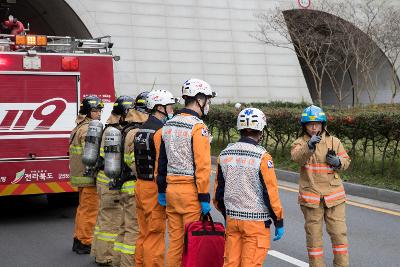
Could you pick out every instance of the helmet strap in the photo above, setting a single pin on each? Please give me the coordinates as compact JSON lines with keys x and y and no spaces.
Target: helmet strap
{"x":165,"y":113}
{"x":261,"y":137}
{"x":202,"y":106}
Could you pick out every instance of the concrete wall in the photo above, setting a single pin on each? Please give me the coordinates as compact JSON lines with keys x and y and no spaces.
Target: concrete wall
{"x":169,"y":41}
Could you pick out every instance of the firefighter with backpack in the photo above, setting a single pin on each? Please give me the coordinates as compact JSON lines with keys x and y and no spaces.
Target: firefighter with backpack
{"x":124,"y":245}
{"x":321,"y":192}
{"x":184,"y":166}
{"x":90,"y":109}
{"x":246,"y":193}
{"x":150,"y":246}
{"x":110,"y":211}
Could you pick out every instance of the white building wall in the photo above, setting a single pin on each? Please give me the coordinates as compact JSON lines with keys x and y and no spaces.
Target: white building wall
{"x":168,"y":41}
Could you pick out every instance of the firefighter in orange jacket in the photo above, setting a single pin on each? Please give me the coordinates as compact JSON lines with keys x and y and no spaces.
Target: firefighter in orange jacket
{"x":321,"y":193}
{"x":124,"y":245}
{"x":90,"y":109}
{"x":110,"y":210}
{"x":246,"y":193}
{"x":184,"y":166}
{"x":150,"y":246}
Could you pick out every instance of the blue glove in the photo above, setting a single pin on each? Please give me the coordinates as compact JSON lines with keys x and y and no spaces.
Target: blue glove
{"x":314,"y":140}
{"x":162,"y":199}
{"x":279,"y":232}
{"x":334,"y":161}
{"x":205,"y":207}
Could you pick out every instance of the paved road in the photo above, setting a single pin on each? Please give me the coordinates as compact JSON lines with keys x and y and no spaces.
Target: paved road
{"x":32,"y":233}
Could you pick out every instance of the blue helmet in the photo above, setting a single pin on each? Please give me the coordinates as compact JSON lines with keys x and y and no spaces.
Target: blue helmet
{"x":313,"y":113}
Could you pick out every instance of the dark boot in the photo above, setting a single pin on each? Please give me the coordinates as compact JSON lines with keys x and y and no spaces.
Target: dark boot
{"x":107,"y":263}
{"x":83,"y":249}
{"x":75,"y":244}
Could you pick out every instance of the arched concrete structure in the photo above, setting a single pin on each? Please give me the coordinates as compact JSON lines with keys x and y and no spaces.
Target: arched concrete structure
{"x":53,"y":17}
{"x":380,"y":93}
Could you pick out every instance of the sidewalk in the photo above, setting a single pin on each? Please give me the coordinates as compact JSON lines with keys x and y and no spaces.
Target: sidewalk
{"x":351,"y":189}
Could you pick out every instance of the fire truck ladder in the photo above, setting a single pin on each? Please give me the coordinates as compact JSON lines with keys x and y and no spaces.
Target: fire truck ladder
{"x":55,"y":44}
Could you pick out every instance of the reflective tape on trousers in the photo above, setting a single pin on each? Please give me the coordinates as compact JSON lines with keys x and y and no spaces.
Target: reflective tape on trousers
{"x":102,"y":178}
{"x":129,"y":187}
{"x":124,"y":248}
{"x":106,"y":236}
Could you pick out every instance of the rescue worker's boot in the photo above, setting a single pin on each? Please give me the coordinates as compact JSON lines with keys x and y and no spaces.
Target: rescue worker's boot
{"x":82,"y":249}
{"x":75,"y":244}
{"x":108,"y":263}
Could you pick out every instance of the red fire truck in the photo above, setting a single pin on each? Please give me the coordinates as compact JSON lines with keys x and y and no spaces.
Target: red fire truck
{"x":42,"y":80}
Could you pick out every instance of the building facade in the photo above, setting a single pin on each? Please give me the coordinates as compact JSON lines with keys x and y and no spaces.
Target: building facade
{"x":164,"y":42}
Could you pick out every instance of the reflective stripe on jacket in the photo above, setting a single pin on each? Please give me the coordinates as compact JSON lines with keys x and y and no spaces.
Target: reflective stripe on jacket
{"x":319,"y":180}
{"x":77,"y":143}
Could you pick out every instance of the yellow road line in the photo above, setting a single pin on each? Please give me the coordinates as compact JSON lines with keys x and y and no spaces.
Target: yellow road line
{"x":395,"y":213}
{"x":356,"y":204}
{"x":288,"y":188}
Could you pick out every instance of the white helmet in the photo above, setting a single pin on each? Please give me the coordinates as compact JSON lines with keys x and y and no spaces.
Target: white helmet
{"x":192,"y":87}
{"x":251,"y":118}
{"x":160,"y":97}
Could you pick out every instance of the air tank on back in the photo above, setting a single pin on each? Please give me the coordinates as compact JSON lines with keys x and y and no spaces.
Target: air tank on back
{"x":112,"y":152}
{"x":92,"y":143}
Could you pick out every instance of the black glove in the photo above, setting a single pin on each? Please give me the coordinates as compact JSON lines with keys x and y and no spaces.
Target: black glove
{"x":127,"y":174}
{"x":100,"y":164}
{"x":315,"y":139}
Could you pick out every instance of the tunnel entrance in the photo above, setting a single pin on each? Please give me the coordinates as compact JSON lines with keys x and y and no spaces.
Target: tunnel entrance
{"x":47,"y":17}
{"x":346,"y":84}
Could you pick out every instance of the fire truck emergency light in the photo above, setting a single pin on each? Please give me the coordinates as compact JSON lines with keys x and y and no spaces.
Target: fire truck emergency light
{"x":70,"y":63}
{"x":31,"y":40}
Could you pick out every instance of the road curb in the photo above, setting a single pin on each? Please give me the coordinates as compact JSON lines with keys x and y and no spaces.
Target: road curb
{"x":351,"y":189}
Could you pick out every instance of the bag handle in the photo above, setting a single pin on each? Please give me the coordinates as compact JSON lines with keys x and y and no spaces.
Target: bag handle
{"x":204,"y":219}
{"x":207,"y":218}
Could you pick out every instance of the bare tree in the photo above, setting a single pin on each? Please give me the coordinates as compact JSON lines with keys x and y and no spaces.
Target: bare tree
{"x":334,"y":42}
{"x":376,"y":20}
{"x":311,"y":39}
{"x":339,"y":70}
{"x":386,"y":34}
